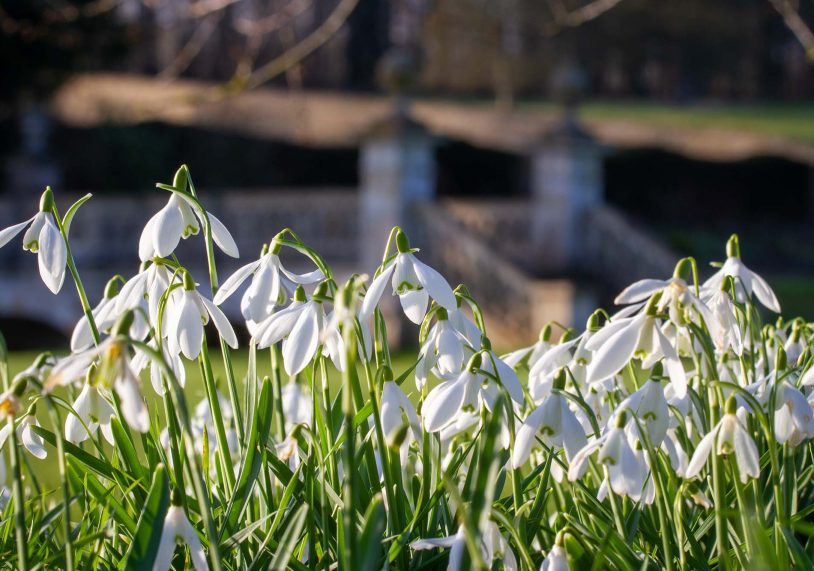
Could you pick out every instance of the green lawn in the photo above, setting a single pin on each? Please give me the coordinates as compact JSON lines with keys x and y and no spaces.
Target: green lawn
{"x":793,"y":121}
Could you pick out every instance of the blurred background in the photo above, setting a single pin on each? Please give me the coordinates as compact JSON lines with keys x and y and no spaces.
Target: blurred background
{"x":544,"y":152}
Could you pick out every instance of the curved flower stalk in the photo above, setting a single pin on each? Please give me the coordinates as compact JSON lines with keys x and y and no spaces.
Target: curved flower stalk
{"x":494,"y":546}
{"x":747,"y":282}
{"x":177,"y":529}
{"x":44,"y":239}
{"x":187,"y":313}
{"x":181,"y":218}
{"x":271,"y":284}
{"x":727,"y":437}
{"x":413,"y":281}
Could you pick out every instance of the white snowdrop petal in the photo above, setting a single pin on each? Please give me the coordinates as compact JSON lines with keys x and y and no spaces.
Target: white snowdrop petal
{"x":639,"y":291}
{"x":303,"y":340}
{"x":222,"y":237}
{"x":616,"y":352}
{"x":435,"y":284}
{"x":221,"y":322}
{"x":234,"y":281}
{"x":375,"y":291}
{"x":414,"y":302}
{"x":9,"y":233}
{"x":746,"y":454}
{"x":167,"y":229}
{"x":52,"y":256}
{"x":699,"y":457}
{"x":146,"y":250}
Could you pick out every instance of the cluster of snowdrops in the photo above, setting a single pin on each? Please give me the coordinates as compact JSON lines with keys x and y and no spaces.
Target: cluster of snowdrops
{"x":672,"y":433}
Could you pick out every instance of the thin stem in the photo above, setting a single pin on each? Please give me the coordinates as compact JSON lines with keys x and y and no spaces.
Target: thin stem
{"x":18,"y":498}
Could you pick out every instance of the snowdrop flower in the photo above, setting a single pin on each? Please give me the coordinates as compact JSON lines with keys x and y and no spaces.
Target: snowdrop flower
{"x":270,"y":282}
{"x":104,"y":316}
{"x":557,"y":559}
{"x":180,"y":218}
{"x":626,"y":474}
{"x":396,"y":411}
{"x":623,"y":339}
{"x":541,"y":374}
{"x":178,"y":529}
{"x":722,"y":322}
{"x":413,"y":281}
{"x":466,"y":393}
{"x":795,"y":345}
{"x":727,"y":437}
{"x":186,"y":316}
{"x":114,"y":370}
{"x":297,"y":405}
{"x":93,"y":411}
{"x":32,"y":441}
{"x":301,"y":325}
{"x":44,"y":239}
{"x":557,"y":425}
{"x":793,"y":420}
{"x":747,"y":282}
{"x":144,"y":290}
{"x":493,"y":546}
{"x":443,"y":351}
{"x":649,"y":405}
{"x":142,"y":360}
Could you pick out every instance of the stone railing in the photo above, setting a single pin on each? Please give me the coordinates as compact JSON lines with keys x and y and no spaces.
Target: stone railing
{"x":106,"y":230}
{"x":515,"y":304}
{"x":619,"y":252}
{"x":504,"y":224}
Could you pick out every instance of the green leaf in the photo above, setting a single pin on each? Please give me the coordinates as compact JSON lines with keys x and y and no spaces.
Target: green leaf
{"x":68,"y":218}
{"x":370,"y":542}
{"x":289,"y":539}
{"x":144,"y":548}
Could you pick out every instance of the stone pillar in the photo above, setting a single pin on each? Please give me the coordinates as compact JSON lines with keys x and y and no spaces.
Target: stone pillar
{"x":566,"y":181}
{"x":396,"y":172}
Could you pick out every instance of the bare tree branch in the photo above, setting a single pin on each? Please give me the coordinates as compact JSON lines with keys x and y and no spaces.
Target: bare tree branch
{"x":794,"y":22}
{"x":304,"y":48}
{"x":193,"y":47}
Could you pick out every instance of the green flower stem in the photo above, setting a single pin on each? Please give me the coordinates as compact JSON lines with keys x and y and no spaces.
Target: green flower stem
{"x":181,"y":409}
{"x":217,"y":417}
{"x":18,"y":498}
{"x":56,"y":421}
{"x":349,"y":556}
{"x":80,"y":289}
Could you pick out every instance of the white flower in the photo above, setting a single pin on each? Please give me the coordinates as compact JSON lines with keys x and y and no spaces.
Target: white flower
{"x":722,"y":323}
{"x":557,"y":425}
{"x":301,"y":325}
{"x":93,"y":411}
{"x":747,"y":282}
{"x":178,"y":529}
{"x":114,"y":370}
{"x":141,"y":361}
{"x":467,"y":392}
{"x":396,"y":408}
{"x":675,"y":294}
{"x":413,"y":281}
{"x":728,"y":436}
{"x":44,"y":239}
{"x":556,"y":560}
{"x":144,"y":290}
{"x":623,"y":339}
{"x":443,"y":351}
{"x":793,"y":420}
{"x":269,"y":281}
{"x":493,"y":546}
{"x":32,"y":441}
{"x":649,"y":405}
{"x":626,"y":473}
{"x":297,"y":406}
{"x":186,"y":316}
{"x":180,"y":219}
